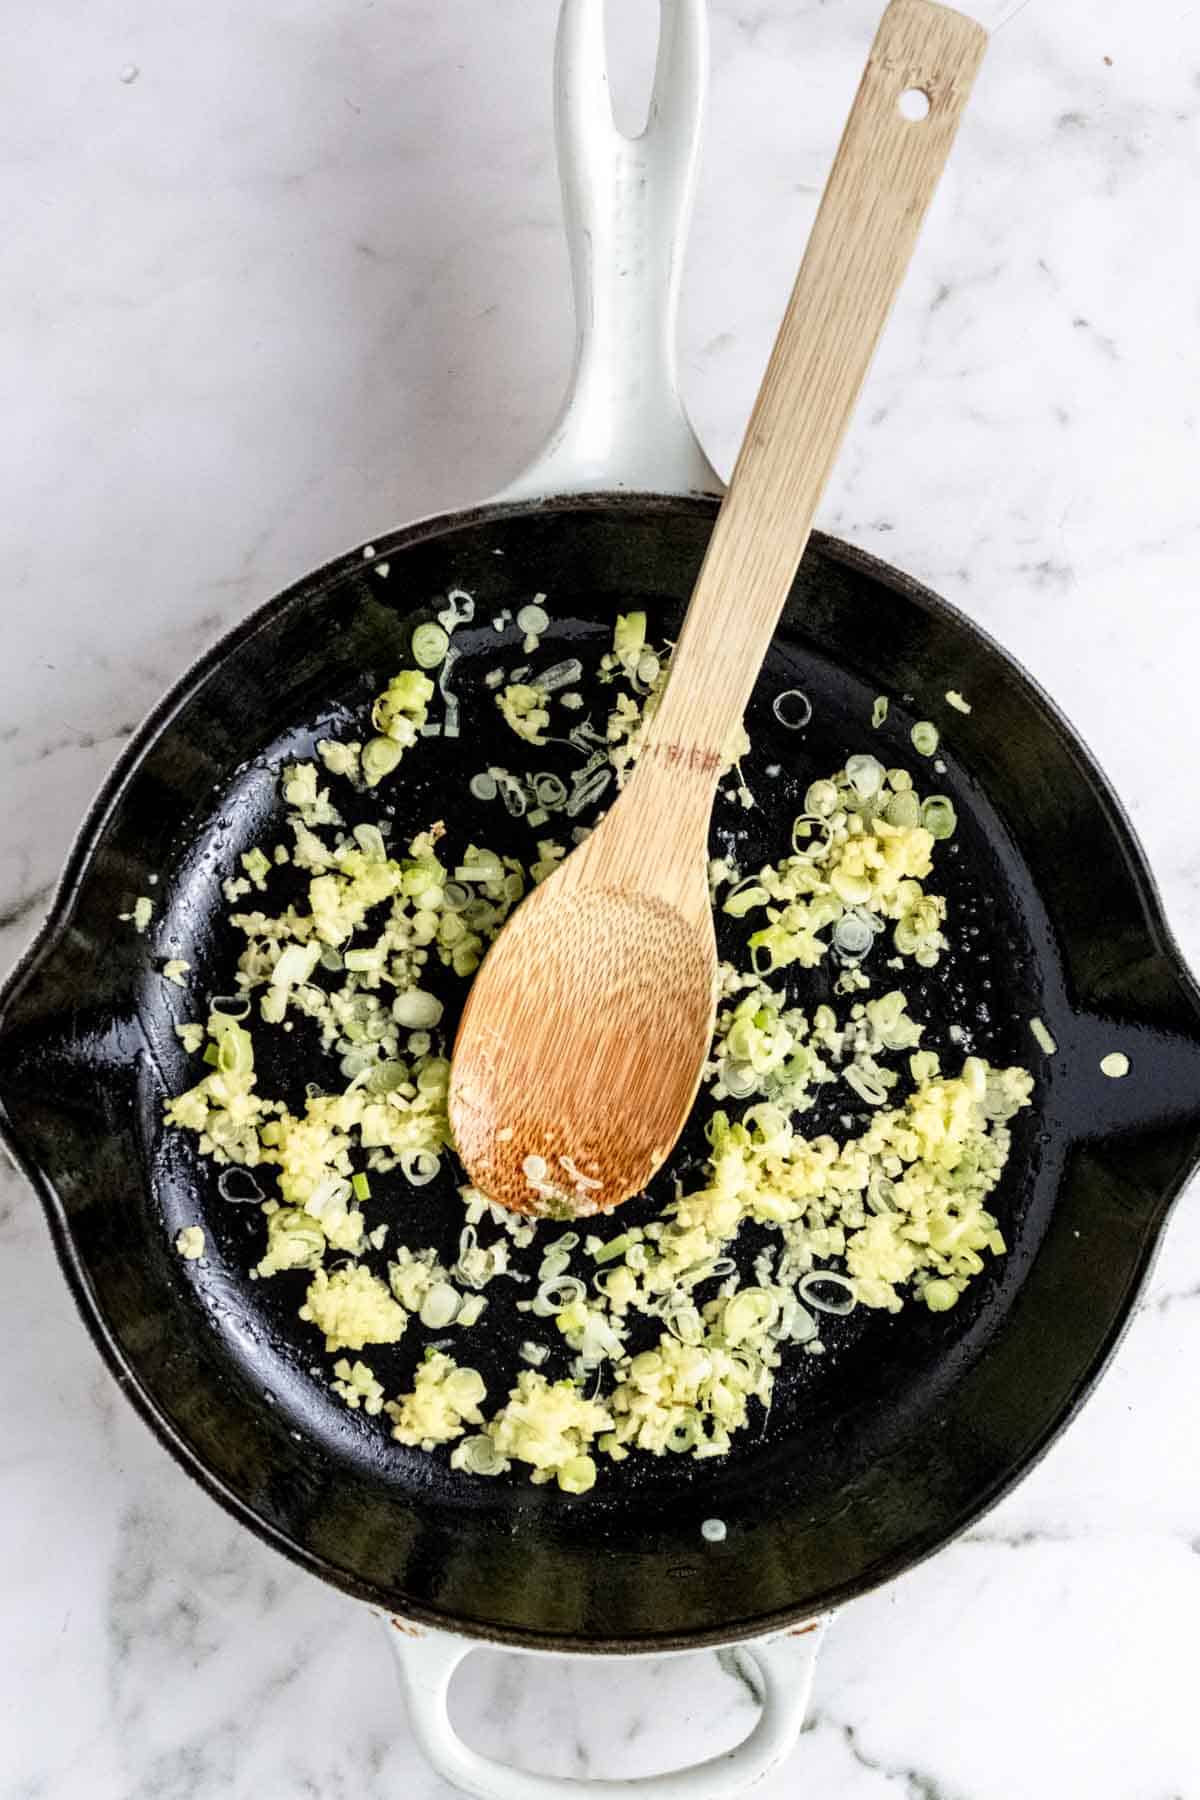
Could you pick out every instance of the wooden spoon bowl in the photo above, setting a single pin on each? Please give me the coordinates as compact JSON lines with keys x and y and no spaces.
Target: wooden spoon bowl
{"x":603,"y":984}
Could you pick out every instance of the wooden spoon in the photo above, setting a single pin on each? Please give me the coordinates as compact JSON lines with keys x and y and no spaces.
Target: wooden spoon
{"x":587,"y":1027}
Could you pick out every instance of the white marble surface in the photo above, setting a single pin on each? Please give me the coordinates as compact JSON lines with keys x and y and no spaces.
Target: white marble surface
{"x":278,"y":274}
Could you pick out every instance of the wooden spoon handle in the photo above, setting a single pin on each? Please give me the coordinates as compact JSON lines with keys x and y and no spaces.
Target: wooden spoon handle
{"x":883,"y":179}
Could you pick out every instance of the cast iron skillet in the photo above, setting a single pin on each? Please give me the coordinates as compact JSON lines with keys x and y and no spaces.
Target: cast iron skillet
{"x":873,"y":1455}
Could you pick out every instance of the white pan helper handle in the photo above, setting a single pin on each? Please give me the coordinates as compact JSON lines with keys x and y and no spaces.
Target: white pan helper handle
{"x":627,"y":203}
{"x":784,"y":1666}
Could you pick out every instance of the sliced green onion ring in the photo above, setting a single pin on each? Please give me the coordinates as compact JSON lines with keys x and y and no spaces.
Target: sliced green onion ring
{"x":829,"y":1278}
{"x":416,"y":1010}
{"x":821,"y":800}
{"x":685,"y":1323}
{"x":939,"y":817}
{"x":533,"y":619}
{"x":458,"y":610}
{"x":440,"y":1306}
{"x":478,"y":1456}
{"x":380,"y":756}
{"x":903,"y":810}
{"x":740,"y":1079}
{"x":550,"y":789}
{"x":866,"y":775}
{"x":853,"y":935}
{"x":587,"y":790}
{"x":419,"y":1167}
{"x":230,"y":1006}
{"x":429,"y":646}
{"x":792,"y":708}
{"x":553,"y":1295}
{"x":251,"y":1193}
{"x":450,"y":700}
{"x":512,"y":793}
{"x":560,"y":675}
{"x":866,"y":1089}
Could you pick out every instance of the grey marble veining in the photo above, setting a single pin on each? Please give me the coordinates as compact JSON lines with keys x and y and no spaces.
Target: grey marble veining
{"x":278,"y":275}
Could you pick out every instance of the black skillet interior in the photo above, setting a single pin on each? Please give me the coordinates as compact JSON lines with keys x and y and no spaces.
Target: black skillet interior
{"x":873,"y":1454}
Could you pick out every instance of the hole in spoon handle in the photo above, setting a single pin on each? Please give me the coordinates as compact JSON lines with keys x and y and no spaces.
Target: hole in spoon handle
{"x":914,"y":105}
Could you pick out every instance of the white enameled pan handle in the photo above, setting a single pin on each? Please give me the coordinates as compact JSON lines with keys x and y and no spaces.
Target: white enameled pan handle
{"x":627,"y":204}
{"x":784,"y":1666}
{"x":623,"y":427}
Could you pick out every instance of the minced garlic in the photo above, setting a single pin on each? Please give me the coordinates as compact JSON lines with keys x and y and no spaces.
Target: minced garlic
{"x":140,"y":914}
{"x":444,"y":1399}
{"x":549,"y":1426}
{"x":353,"y":1308}
{"x":525,"y":710}
{"x":356,"y":1384}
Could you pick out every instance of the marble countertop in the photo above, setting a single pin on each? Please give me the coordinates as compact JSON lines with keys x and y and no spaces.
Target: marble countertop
{"x":278,"y":275}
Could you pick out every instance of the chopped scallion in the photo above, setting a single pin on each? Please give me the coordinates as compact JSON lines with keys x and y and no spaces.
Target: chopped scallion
{"x":380,"y":756}
{"x":533,"y":619}
{"x":939,"y":817}
{"x":429,"y":646}
{"x":792,"y":708}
